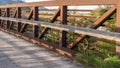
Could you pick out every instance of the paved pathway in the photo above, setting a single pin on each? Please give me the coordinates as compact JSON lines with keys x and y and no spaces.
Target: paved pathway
{"x":18,"y":53}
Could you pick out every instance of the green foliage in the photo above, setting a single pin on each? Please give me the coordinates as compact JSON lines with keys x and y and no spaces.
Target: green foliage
{"x":99,"y":11}
{"x":105,"y":44}
{"x":91,"y":20}
{"x":107,"y":59}
{"x":111,"y":62}
{"x":112,"y":22}
{"x":91,"y":60}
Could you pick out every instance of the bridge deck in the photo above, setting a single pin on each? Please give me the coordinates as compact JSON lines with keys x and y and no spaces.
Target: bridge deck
{"x":18,"y":53}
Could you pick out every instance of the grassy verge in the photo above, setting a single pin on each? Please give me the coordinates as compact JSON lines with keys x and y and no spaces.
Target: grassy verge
{"x":107,"y":59}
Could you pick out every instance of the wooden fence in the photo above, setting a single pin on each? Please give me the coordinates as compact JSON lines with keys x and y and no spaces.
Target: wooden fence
{"x":24,"y":20}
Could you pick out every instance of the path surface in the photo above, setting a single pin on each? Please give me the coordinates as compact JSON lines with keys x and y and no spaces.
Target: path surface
{"x":18,"y":53}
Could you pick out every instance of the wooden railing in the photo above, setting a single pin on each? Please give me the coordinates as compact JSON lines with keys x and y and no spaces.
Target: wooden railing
{"x":25,"y":20}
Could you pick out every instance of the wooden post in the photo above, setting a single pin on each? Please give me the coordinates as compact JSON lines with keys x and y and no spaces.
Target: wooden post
{"x":0,"y":14}
{"x":117,"y":26}
{"x":19,"y":16}
{"x":0,"y":11}
{"x":63,"y":34}
{"x":35,"y":17}
{"x":7,"y":15}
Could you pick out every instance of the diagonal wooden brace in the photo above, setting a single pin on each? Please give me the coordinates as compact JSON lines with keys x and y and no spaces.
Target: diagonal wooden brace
{"x":2,"y":21}
{"x":25,"y":25}
{"x":15,"y":13}
{"x":52,"y":20}
{"x":98,"y":23}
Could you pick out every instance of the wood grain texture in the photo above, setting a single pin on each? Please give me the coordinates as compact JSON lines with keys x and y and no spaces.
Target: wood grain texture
{"x":79,"y":30}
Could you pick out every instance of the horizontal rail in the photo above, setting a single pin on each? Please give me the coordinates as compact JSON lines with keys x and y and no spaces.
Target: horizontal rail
{"x":80,"y":10}
{"x":87,"y":31}
{"x":77,"y":10}
{"x":64,"y":3}
{"x":79,"y":16}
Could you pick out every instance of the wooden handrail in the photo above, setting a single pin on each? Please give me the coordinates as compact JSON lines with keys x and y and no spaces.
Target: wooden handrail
{"x":87,"y":31}
{"x":64,"y":3}
{"x":62,"y":15}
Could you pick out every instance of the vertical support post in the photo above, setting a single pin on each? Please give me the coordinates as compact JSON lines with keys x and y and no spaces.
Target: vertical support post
{"x":0,"y":14}
{"x":35,"y":17}
{"x":63,"y":34}
{"x":7,"y":15}
{"x":18,"y":16}
{"x":117,"y":26}
{"x":0,"y":11}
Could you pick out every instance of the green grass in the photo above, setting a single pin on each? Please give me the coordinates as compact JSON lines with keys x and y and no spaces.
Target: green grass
{"x":107,"y":59}
{"x":91,"y":60}
{"x":106,"y":44}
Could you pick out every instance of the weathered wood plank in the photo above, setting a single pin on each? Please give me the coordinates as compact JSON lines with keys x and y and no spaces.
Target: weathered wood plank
{"x":63,"y":34}
{"x":35,"y":17}
{"x":19,"y":16}
{"x":85,"y":31}
{"x":117,"y":26}
{"x":7,"y":15}
{"x":0,"y":14}
{"x":22,"y":51}
{"x":64,"y":3}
